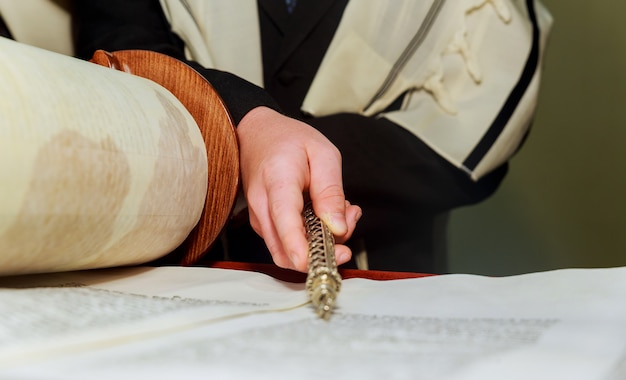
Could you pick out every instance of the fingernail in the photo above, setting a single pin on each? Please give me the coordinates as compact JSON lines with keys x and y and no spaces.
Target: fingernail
{"x":336,"y":222}
{"x":298,"y":261}
{"x":343,"y":257}
{"x":358,"y":216}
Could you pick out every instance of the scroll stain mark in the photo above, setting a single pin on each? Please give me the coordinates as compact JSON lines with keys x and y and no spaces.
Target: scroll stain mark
{"x":77,"y":189}
{"x":166,"y":206}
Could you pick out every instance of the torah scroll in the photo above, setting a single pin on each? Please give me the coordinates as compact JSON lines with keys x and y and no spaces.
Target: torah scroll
{"x":98,"y":168}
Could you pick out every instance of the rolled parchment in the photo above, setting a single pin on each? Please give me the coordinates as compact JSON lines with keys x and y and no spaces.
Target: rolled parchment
{"x":98,"y":167}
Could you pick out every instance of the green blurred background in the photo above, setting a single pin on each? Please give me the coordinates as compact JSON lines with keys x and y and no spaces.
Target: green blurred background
{"x":562,"y":204}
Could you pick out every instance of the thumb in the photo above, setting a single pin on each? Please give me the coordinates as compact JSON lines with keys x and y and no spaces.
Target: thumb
{"x":326,"y":187}
{"x":330,"y":207}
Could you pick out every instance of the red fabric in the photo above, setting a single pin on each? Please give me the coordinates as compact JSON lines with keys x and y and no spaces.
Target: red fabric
{"x":293,"y":276}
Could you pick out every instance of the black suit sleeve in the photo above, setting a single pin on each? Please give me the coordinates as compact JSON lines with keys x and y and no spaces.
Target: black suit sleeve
{"x":385,"y":163}
{"x":114,"y":25}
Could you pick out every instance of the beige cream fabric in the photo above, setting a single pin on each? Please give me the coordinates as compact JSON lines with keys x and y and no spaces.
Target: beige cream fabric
{"x":459,"y":75}
{"x":41,"y":23}
{"x":97,"y":167}
{"x":467,"y":59}
{"x":219,"y":34}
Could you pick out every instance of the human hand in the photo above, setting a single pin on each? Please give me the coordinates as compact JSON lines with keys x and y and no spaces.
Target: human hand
{"x":281,"y":159}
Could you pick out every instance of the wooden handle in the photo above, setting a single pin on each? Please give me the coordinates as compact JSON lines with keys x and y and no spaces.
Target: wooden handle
{"x":216,"y":126}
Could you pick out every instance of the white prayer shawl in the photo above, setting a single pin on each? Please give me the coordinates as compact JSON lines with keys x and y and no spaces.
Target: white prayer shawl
{"x":471,"y":68}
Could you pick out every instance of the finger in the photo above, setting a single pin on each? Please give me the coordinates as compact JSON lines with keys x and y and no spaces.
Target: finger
{"x":326,"y":190}
{"x":285,"y":209}
{"x":262,"y":225}
{"x":343,"y":254}
{"x":353,"y":214}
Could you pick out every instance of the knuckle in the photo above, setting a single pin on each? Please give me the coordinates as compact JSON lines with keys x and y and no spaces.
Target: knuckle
{"x":333,"y":193}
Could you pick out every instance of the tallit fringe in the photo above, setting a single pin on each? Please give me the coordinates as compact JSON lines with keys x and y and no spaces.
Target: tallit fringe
{"x":434,"y":83}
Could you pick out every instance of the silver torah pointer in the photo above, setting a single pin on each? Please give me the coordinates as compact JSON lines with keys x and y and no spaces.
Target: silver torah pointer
{"x":323,"y":281}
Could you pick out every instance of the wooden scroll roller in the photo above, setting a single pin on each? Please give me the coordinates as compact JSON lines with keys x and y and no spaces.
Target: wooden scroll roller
{"x":212,"y":117}
{"x":102,"y":168}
